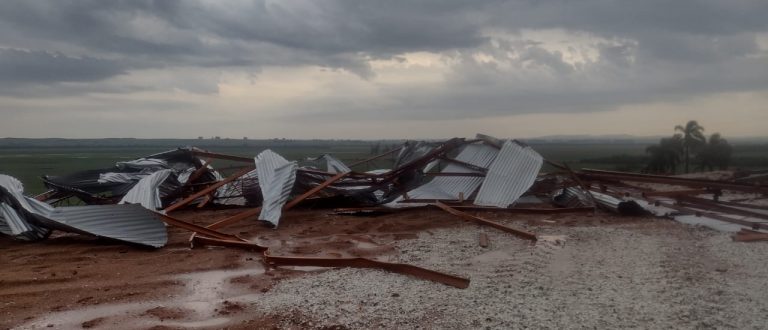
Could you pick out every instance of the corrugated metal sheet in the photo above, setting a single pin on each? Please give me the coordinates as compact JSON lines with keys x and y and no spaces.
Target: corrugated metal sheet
{"x":13,"y":201}
{"x":332,"y":164}
{"x":449,"y":187}
{"x":121,"y":177}
{"x":15,"y":190}
{"x":146,"y":192}
{"x":510,"y":175}
{"x":12,"y":224}
{"x":659,"y":211}
{"x":412,"y":151}
{"x":144,"y":163}
{"x":625,"y":207}
{"x":276,"y":178}
{"x":571,"y":197}
{"x":692,"y":219}
{"x":129,"y":223}
{"x":184,"y":175}
{"x":231,"y":193}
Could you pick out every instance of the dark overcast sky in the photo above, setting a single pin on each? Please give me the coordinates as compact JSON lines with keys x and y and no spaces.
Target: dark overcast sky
{"x":381,"y":69}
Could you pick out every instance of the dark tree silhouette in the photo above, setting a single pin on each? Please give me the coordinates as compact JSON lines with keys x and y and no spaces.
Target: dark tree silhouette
{"x":716,"y":154}
{"x":693,"y":140}
{"x":666,"y":155}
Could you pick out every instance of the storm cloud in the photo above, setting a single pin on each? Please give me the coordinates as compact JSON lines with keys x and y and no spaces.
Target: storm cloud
{"x":383,"y":59}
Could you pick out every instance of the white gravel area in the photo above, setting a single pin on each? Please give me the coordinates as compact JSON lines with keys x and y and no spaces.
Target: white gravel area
{"x":656,"y":275}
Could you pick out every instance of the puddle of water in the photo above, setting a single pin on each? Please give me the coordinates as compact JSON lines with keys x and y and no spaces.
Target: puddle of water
{"x":553,"y":239}
{"x":366,"y":245}
{"x":198,"y":324}
{"x":204,"y":292}
{"x":305,"y":268}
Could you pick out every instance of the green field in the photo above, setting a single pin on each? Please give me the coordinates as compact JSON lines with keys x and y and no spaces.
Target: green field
{"x":29,"y":164}
{"x":60,"y":157}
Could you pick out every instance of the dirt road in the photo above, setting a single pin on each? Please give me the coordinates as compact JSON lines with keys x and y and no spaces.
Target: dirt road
{"x":589,"y":271}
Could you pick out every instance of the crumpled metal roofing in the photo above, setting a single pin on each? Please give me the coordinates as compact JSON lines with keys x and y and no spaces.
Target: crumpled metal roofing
{"x":147,"y":191}
{"x":510,"y":175}
{"x":571,"y":197}
{"x":449,"y":187}
{"x":121,"y":177}
{"x":12,"y":224}
{"x":276,"y":178}
{"x":333,"y":164}
{"x":143,"y":163}
{"x":128,"y":223}
{"x":412,"y":151}
{"x":232,"y":193}
{"x":12,"y":203}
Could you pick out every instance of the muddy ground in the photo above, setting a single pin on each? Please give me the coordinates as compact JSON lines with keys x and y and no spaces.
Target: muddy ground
{"x":590,"y":271}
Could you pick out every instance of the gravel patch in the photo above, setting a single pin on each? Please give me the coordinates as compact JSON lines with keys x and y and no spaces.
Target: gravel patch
{"x":640,"y":275}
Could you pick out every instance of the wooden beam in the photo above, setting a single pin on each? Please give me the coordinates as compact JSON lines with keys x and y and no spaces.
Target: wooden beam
{"x":472,"y":218}
{"x":465,"y":164}
{"x":235,"y":218}
{"x":255,"y":211}
{"x":314,"y":190}
{"x":367,"y":160}
{"x":208,"y":189}
{"x":195,"y":228}
{"x":198,"y":172}
{"x":202,"y":240}
{"x":205,"y":201}
{"x":483,"y":240}
{"x":700,"y":183}
{"x":431,"y":275}
{"x":222,"y":156}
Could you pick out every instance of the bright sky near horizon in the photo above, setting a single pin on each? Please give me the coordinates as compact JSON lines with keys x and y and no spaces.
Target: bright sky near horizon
{"x":381,"y":69}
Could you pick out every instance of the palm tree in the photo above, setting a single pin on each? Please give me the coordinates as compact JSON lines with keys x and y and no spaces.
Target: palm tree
{"x":693,"y":139}
{"x":666,"y":155}
{"x":716,"y":153}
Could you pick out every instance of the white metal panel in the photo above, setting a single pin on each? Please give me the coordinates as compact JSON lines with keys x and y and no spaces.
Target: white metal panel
{"x":276,"y":178}
{"x":128,"y":223}
{"x":146,"y":192}
{"x":510,"y":175}
{"x":450,"y":187}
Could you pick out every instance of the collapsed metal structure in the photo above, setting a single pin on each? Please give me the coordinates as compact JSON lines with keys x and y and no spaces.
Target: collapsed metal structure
{"x":130,"y":201}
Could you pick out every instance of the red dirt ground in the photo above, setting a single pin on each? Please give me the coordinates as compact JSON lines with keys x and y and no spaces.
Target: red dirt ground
{"x":69,"y":271}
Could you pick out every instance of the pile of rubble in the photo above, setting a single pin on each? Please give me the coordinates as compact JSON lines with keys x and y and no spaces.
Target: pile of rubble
{"x":132,"y":201}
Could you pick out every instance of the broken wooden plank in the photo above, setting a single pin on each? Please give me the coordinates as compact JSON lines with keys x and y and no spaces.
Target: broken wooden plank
{"x":198,"y":172}
{"x":431,"y":275}
{"x":472,"y":218}
{"x":314,"y":190}
{"x":484,"y":241}
{"x":746,"y":235}
{"x":222,"y":156}
{"x":202,"y":240}
{"x":195,"y":228}
{"x":208,"y":189}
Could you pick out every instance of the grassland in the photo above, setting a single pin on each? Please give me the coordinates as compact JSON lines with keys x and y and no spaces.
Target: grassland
{"x":57,"y":157}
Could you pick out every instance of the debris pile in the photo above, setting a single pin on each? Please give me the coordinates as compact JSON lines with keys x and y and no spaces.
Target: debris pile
{"x":132,"y":201}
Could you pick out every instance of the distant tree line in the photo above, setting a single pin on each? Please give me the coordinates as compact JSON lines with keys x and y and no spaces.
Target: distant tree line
{"x":687,"y":146}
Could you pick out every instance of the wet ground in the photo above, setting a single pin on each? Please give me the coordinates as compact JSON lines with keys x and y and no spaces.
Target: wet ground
{"x":597,"y":265}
